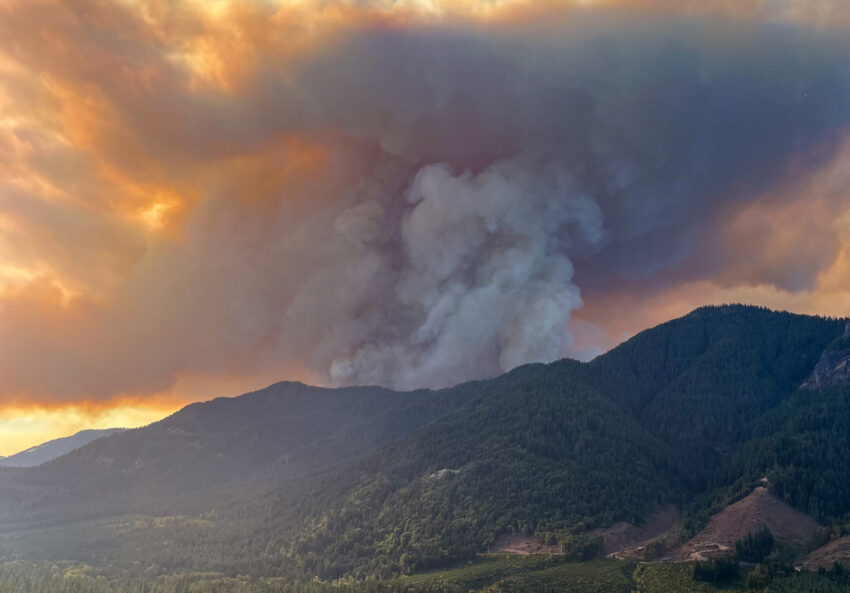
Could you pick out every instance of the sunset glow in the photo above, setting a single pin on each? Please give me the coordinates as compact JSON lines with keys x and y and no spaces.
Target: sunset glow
{"x":24,"y":427}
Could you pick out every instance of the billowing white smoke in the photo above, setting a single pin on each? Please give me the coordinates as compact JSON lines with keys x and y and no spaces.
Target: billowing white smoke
{"x":612,"y":145}
{"x":483,"y":284}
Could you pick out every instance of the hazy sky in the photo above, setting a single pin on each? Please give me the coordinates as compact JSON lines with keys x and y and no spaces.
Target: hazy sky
{"x":200,"y":198}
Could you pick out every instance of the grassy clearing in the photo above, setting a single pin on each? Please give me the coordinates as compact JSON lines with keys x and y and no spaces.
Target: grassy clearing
{"x":496,"y":573}
{"x":599,"y":576}
{"x":484,"y":570}
{"x":677,"y":578}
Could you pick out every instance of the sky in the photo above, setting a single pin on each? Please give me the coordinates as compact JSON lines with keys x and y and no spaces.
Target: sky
{"x":202,"y":198}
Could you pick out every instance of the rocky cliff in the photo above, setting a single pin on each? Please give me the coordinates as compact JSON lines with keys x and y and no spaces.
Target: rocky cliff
{"x":833,"y":368}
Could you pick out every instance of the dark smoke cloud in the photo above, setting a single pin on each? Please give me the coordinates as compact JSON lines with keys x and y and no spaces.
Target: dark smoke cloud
{"x":475,"y":180}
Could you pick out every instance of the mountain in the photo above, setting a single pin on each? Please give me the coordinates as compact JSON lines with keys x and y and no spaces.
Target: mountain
{"x":303,"y":482}
{"x":568,"y":447}
{"x":50,"y":450}
{"x":285,"y":431}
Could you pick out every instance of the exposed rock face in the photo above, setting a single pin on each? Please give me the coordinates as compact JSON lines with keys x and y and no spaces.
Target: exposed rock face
{"x":833,"y":368}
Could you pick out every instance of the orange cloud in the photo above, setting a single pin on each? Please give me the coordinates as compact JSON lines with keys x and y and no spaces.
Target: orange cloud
{"x":789,"y":250}
{"x":199,"y":198}
{"x":622,"y":316}
{"x":23,"y":426}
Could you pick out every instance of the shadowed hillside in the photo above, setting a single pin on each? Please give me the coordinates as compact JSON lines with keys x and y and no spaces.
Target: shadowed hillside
{"x":285,"y":430}
{"x":35,"y":456}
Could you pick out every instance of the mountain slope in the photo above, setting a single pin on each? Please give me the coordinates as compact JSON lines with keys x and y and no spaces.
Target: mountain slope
{"x":545,"y":454}
{"x":802,"y":448}
{"x":307,"y":482}
{"x":567,"y":447}
{"x":283,"y":431}
{"x":35,"y":456}
{"x":757,"y":510}
{"x":701,"y":382}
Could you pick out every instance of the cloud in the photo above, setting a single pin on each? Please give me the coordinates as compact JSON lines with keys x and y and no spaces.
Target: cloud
{"x":484,"y":284}
{"x":411,"y":194}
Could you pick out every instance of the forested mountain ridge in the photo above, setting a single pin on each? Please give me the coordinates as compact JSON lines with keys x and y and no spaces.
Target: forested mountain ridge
{"x":283,"y":431}
{"x":701,"y":382}
{"x":529,"y":459}
{"x":568,"y":447}
{"x":365,"y":482}
{"x":35,"y":456}
{"x":833,"y":368}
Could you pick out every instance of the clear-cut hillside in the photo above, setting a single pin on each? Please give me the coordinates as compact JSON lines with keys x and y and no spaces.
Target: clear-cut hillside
{"x":757,"y":510}
{"x":837,"y":550}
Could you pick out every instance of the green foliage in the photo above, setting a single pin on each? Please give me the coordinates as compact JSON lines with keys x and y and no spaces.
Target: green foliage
{"x":678,"y":578}
{"x":365,"y":485}
{"x":717,"y":571}
{"x":580,"y":548}
{"x":489,"y":574}
{"x":657,"y":548}
{"x":777,"y":564}
{"x":801,"y":447}
{"x":547,"y":454}
{"x":603,"y":576}
{"x":702,"y":381}
{"x":481,"y":572}
{"x":809,"y":583}
{"x":755,"y":547}
{"x":485,"y":574}
{"x":569,"y":447}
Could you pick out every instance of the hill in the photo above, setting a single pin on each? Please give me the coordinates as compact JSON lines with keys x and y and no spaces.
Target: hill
{"x":35,"y":456}
{"x":282,"y":432}
{"x":756,"y":511}
{"x":544,"y":453}
{"x":835,"y":551}
{"x":570,"y":447}
{"x":302,"y":482}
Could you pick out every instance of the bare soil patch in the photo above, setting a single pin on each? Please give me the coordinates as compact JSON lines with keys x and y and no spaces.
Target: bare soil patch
{"x":837,"y":550}
{"x":516,"y":543}
{"x":624,"y":540}
{"x":759,"y":509}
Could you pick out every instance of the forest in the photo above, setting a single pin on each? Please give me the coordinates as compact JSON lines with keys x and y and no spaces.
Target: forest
{"x":693,"y":413}
{"x":485,"y":574}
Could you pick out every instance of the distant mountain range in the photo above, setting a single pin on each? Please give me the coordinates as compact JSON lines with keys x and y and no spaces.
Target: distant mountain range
{"x":50,"y":450}
{"x":309,"y":483}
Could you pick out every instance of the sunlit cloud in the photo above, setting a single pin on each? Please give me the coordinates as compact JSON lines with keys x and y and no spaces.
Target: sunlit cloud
{"x":23,"y":427}
{"x":200,"y":198}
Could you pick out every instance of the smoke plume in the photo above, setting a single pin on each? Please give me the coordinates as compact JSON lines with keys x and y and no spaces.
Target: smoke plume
{"x":372,"y":193}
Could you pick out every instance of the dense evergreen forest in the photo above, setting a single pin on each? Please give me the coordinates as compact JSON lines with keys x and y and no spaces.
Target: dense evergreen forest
{"x":368,"y":486}
{"x":486,"y":574}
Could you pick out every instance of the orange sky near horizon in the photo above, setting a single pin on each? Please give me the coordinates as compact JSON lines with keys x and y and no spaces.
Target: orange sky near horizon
{"x":150,"y":149}
{"x":22,"y":428}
